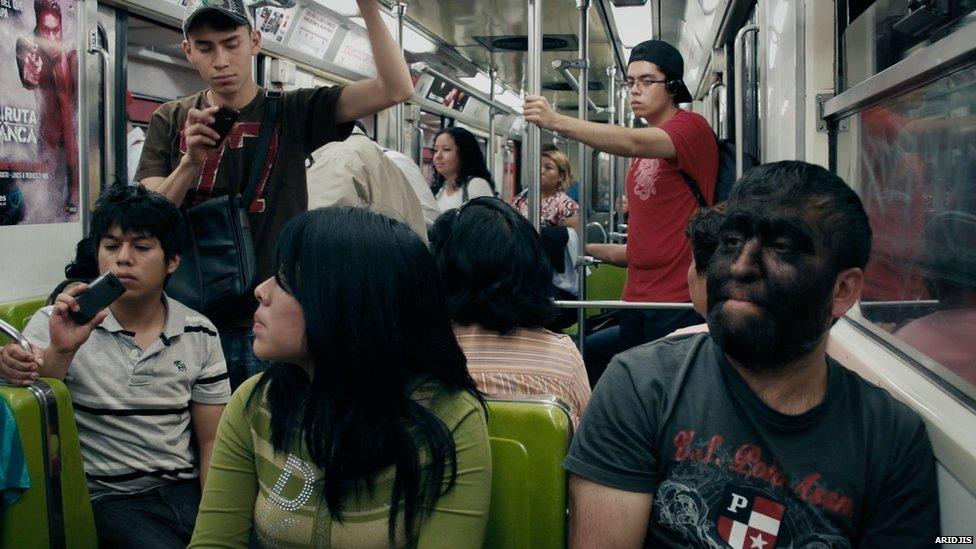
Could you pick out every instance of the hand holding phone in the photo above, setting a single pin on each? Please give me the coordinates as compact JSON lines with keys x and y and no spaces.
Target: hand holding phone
{"x":100,"y":294}
{"x":224,"y":120}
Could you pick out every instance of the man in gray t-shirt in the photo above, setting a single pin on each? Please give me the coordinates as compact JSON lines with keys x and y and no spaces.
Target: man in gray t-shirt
{"x":751,"y":436}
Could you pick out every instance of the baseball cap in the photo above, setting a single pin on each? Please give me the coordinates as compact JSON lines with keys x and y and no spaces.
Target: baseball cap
{"x":233,"y":9}
{"x":668,"y":59}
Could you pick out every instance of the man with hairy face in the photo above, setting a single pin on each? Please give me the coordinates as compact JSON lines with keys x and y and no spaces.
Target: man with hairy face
{"x":780,"y":444}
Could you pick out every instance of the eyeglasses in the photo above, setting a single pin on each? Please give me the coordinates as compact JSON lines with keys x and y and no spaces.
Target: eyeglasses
{"x":644,"y":83}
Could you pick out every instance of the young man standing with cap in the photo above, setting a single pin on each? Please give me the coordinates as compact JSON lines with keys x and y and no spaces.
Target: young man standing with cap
{"x":657,"y":254}
{"x":183,"y":160}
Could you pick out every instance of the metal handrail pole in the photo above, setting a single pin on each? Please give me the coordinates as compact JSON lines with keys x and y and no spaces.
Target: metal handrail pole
{"x":717,"y":109}
{"x":563,"y":67}
{"x":612,"y":108}
{"x":533,"y":136}
{"x":492,"y":74}
{"x":613,"y":304}
{"x":737,"y":48}
{"x":621,"y":161}
{"x":108,"y":77}
{"x":585,"y":178}
{"x":710,"y":104}
{"x":399,"y":11}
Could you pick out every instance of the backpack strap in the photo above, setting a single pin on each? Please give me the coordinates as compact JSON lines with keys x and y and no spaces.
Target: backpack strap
{"x":464,"y":191}
{"x":268,"y":122}
{"x":695,"y":190}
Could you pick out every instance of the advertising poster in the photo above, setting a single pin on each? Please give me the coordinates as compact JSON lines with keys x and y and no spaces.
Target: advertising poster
{"x":38,"y":112}
{"x":446,"y":94}
{"x":314,"y":33}
{"x":356,"y":54}
{"x":274,"y":22}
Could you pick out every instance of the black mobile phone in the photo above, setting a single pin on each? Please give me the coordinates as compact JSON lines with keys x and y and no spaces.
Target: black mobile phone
{"x":100,"y":294}
{"x":224,"y":120}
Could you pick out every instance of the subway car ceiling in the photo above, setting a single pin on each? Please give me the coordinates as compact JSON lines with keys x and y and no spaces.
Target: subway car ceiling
{"x":459,"y":42}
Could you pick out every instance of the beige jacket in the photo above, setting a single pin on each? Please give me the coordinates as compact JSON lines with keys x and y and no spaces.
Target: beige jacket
{"x":355,"y":172}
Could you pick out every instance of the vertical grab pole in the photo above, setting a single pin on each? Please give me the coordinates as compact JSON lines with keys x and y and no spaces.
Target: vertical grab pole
{"x":399,"y":11}
{"x":584,"y":162}
{"x":612,"y":109}
{"x":622,"y":162}
{"x":738,"y":49}
{"x":492,"y":74}
{"x":533,"y":136}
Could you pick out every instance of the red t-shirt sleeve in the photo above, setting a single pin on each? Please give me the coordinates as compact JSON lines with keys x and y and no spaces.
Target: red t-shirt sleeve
{"x":696,"y":149}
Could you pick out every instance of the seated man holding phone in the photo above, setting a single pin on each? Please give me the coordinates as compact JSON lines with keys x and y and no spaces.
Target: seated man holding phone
{"x":143,"y":373}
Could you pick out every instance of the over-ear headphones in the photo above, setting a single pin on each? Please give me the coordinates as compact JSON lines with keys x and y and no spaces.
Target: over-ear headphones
{"x":673,"y":86}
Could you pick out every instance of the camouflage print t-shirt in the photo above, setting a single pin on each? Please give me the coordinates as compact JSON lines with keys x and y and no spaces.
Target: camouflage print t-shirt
{"x":672,"y":418}
{"x":306,"y":121}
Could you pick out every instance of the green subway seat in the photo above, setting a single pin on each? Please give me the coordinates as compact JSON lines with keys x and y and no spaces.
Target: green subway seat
{"x":529,"y":439}
{"x":56,"y":510}
{"x":17,"y":313}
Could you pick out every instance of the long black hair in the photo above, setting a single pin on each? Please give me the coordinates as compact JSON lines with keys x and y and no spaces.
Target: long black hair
{"x":472,"y":160}
{"x":493,"y":266}
{"x":375,"y":324}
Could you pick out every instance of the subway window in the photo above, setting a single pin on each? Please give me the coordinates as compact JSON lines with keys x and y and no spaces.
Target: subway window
{"x":912,"y":159}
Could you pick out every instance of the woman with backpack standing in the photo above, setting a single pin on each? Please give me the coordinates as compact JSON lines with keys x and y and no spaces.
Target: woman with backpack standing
{"x":460,"y":173}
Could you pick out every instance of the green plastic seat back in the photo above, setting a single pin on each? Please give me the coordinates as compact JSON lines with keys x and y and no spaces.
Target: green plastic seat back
{"x":605,"y":282}
{"x":17,"y":313}
{"x":529,"y":440}
{"x":27,"y":522}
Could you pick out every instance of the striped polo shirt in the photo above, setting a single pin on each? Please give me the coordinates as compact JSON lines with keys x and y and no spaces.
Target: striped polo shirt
{"x":526,"y":362}
{"x":132,"y":406}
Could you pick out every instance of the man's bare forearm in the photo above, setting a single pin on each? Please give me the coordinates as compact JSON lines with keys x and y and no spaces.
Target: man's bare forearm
{"x":629,"y":142}
{"x":615,"y":254}
{"x":177,"y":183}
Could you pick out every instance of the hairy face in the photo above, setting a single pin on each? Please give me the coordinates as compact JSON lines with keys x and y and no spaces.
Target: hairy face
{"x":769,"y":287}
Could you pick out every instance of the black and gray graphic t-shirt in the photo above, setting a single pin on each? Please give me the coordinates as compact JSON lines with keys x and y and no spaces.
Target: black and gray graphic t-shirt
{"x":673,"y":418}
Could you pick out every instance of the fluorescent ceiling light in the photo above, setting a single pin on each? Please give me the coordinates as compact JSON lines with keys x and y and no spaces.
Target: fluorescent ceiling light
{"x":512,"y":100}
{"x":479,"y":82}
{"x":633,"y":24}
{"x":412,"y":40}
{"x":348,"y":8}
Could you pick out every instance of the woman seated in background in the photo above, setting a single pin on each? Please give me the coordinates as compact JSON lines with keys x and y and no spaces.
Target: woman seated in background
{"x":367,"y":430}
{"x":499,"y":292}
{"x":558,"y":209}
{"x":460,"y":172}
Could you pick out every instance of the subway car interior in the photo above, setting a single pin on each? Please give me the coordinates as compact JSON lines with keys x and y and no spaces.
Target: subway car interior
{"x":880,"y":93}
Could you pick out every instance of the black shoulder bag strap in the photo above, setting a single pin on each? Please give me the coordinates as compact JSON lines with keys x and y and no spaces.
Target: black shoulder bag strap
{"x":268,"y":122}
{"x":464,"y":191}
{"x":695,"y":190}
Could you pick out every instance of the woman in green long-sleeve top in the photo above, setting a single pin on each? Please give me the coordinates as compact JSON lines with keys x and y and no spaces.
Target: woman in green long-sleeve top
{"x":366,"y":430}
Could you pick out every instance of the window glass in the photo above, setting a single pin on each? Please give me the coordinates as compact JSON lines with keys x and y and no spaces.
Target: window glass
{"x":912,"y":159}
{"x":891,"y":30}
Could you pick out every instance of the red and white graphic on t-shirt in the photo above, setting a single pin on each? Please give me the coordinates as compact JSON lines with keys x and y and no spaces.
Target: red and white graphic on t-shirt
{"x":235,"y":140}
{"x":748,"y":520}
{"x":645,"y":171}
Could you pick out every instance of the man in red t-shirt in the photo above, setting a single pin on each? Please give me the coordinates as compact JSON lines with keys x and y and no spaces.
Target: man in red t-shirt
{"x":657,"y":254}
